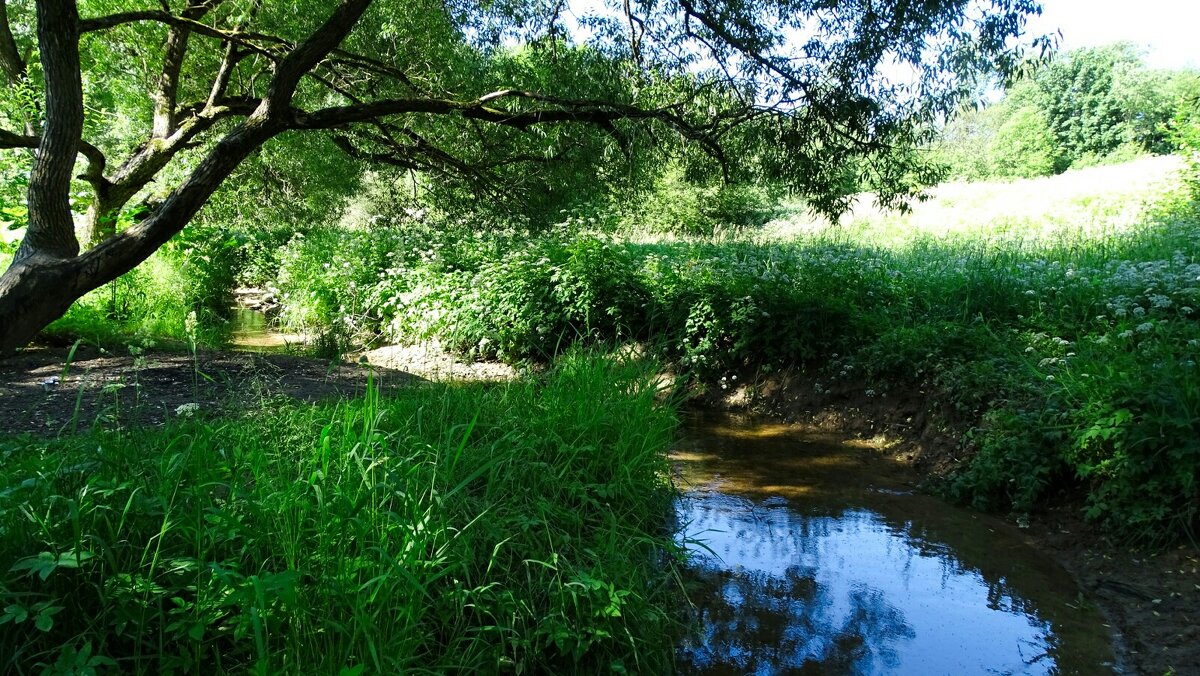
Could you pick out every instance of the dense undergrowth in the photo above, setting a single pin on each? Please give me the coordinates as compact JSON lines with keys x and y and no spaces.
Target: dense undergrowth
{"x":517,"y":527}
{"x":1057,"y":318}
{"x":1066,"y":339}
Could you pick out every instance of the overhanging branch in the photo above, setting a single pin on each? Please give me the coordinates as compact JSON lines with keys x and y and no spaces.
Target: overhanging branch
{"x":95,"y":157}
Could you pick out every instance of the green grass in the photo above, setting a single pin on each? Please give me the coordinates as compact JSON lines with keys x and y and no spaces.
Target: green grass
{"x":516,"y":527}
{"x":1057,"y":318}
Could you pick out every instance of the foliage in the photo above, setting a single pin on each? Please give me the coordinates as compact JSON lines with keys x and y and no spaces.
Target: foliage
{"x":1185,"y":129}
{"x":675,"y":204}
{"x":1083,"y":108}
{"x":482,"y":108}
{"x":509,"y":528}
{"x":194,"y":273}
{"x":1001,"y":319}
{"x":1024,"y":146}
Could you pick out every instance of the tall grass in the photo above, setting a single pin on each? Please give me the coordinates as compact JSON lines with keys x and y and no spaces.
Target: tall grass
{"x":517,"y":527}
{"x":1064,"y":337}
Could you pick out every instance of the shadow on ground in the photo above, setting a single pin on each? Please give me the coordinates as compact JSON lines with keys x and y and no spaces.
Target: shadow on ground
{"x":41,"y":393}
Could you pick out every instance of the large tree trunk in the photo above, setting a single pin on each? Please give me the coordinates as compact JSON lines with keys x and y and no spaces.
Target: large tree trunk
{"x":38,"y":288}
{"x":33,"y":293}
{"x":48,"y":273}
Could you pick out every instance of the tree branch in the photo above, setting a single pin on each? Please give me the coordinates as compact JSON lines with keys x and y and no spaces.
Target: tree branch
{"x":10,"y":57}
{"x":150,"y":158}
{"x":582,"y":111}
{"x":166,"y":96}
{"x":95,"y":158}
{"x":242,"y":39}
{"x":301,"y":60}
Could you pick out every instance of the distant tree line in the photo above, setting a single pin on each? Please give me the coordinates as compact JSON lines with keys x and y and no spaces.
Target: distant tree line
{"x":1081,"y":108}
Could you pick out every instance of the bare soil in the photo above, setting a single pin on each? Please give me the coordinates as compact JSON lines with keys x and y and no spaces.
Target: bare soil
{"x":1150,"y":596}
{"x":44,"y":392}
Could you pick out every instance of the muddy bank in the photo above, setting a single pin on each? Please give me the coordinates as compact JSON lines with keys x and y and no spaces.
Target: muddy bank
{"x":1152,"y":597}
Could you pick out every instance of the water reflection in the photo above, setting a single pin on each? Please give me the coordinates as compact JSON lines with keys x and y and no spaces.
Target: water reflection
{"x":252,"y":332}
{"x":811,"y":557}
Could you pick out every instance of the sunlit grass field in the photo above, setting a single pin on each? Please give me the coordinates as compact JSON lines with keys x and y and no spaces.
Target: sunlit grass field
{"x":1081,"y":204}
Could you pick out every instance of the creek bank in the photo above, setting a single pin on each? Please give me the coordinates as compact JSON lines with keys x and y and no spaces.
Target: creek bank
{"x":1150,"y":595}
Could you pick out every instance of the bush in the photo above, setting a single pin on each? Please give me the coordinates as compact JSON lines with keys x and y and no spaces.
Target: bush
{"x":192,"y":276}
{"x":1024,"y":146}
{"x":999,"y":329}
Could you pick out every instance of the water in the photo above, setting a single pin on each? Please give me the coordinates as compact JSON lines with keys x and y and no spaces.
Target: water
{"x":251,"y":332}
{"x":813,"y":555}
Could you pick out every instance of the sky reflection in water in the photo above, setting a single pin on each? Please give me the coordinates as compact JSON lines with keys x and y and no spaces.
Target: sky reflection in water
{"x":821,"y":562}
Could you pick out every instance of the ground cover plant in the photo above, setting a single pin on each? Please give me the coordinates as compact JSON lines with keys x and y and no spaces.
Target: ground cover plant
{"x":1063,"y":329}
{"x":516,"y":527}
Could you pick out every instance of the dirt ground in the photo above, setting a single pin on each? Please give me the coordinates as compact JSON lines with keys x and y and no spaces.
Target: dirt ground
{"x":1151,"y":597}
{"x":41,"y":393}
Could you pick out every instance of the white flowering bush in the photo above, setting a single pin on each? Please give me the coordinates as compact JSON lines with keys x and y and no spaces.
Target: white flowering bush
{"x":1071,"y":354}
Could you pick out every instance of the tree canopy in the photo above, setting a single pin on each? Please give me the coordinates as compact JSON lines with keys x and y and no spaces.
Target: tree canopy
{"x":511,"y":100}
{"x":1078,"y":108}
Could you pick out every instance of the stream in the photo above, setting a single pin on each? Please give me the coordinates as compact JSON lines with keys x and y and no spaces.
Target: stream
{"x":812,"y":554}
{"x":251,"y":332}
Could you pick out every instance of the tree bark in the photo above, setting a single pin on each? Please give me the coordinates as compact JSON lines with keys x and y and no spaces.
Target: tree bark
{"x":51,"y":229}
{"x":11,"y":62}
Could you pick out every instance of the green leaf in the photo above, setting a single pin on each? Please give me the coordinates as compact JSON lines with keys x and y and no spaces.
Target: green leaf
{"x":46,"y":562}
{"x":42,"y":565}
{"x":15,"y":614}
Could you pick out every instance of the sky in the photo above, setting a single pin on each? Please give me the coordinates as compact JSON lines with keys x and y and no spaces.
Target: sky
{"x":1167,"y":29}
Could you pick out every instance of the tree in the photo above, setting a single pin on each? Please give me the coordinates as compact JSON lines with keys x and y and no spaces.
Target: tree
{"x":1098,"y":99}
{"x":433,"y":86}
{"x":1024,"y":145}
